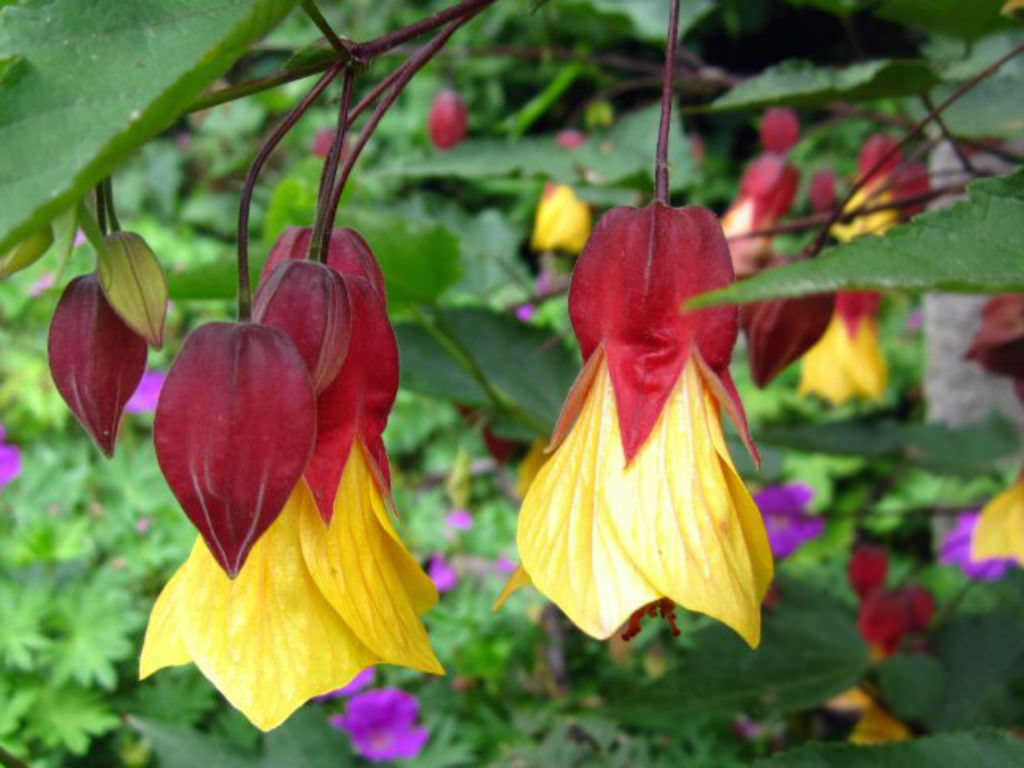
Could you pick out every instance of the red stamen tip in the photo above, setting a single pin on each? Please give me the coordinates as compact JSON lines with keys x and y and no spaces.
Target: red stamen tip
{"x":664,"y":608}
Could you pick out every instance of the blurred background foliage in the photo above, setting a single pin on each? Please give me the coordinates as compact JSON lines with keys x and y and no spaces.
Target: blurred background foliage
{"x":86,"y":544}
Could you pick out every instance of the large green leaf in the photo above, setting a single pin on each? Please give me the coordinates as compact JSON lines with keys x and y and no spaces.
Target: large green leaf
{"x":980,"y":749}
{"x":801,"y":83}
{"x":911,"y":684}
{"x":810,"y":650}
{"x":974,"y":247}
{"x":649,"y":18}
{"x":953,"y":18}
{"x":968,"y":451}
{"x":95,"y":80}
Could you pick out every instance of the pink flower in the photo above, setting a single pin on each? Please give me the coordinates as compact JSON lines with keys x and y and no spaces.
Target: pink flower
{"x":382,"y":725}
{"x":524,"y":312}
{"x":504,"y":565}
{"x":442,"y":574}
{"x":44,"y":282}
{"x":147,"y":393}
{"x":459,"y":520}
{"x":10,"y":460}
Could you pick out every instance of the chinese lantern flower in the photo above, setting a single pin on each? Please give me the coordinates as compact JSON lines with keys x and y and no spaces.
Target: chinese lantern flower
{"x":847,"y":361}
{"x":639,"y":506}
{"x":447,"y":120}
{"x":1000,"y":528}
{"x":780,"y":129}
{"x":328,"y":589}
{"x":822,"y":190}
{"x":866,"y":569}
{"x":766,"y":193}
{"x":562,"y":222}
{"x":998,"y":347}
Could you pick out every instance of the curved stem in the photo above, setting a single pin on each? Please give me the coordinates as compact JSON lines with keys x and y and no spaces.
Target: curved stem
{"x":321,"y":23}
{"x":661,"y":155}
{"x":101,"y":208}
{"x":460,"y":12}
{"x":244,"y":288}
{"x":108,"y":190}
{"x":320,"y":241}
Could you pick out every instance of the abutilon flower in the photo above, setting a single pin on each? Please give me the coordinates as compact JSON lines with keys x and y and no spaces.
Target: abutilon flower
{"x":779,"y":130}
{"x":639,"y":505}
{"x":562,"y":222}
{"x":998,"y":347}
{"x":328,"y":589}
{"x":766,"y":193}
{"x":847,"y":361}
{"x":1000,"y":528}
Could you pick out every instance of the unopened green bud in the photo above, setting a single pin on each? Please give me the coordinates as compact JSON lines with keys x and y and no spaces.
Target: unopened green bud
{"x":135,"y":285}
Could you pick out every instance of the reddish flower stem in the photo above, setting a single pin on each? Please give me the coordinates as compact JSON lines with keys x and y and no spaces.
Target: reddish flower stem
{"x":661,"y":154}
{"x":463,"y":11}
{"x":320,"y":241}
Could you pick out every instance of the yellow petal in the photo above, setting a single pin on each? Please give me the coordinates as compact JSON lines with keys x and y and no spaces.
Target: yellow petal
{"x":602,"y":540}
{"x":366,"y":574}
{"x":1000,"y":529}
{"x":562,"y":221}
{"x":876,"y":726}
{"x":517,"y":580}
{"x":530,"y":465}
{"x":869,"y":224}
{"x":839,"y":368}
{"x":163,"y":645}
{"x":850,"y":700}
{"x":267,"y":639}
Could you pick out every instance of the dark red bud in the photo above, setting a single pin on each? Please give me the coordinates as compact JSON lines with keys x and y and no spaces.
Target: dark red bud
{"x":234,"y":429}
{"x":96,"y":360}
{"x":884,"y":619}
{"x":447,"y":120}
{"x":911,"y":180}
{"x":347,"y":254}
{"x":822,"y":191}
{"x":780,"y":129}
{"x":854,"y":306}
{"x":772,"y":183}
{"x":570,"y":138}
{"x":323,"y":141}
{"x":999,"y":344}
{"x":781,"y":330}
{"x":308,"y":301}
{"x":867,"y":569}
{"x":874,"y":149}
{"x":921,"y":607}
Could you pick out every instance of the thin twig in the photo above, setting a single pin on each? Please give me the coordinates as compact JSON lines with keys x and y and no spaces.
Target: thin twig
{"x":309,"y":6}
{"x":661,"y":154}
{"x":960,"y":155}
{"x":460,"y":12}
{"x":244,"y":288}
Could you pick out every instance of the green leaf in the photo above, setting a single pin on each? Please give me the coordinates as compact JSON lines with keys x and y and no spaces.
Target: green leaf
{"x":180,"y":695}
{"x":836,"y":7}
{"x":24,"y":609}
{"x":979,"y":749}
{"x":991,"y":108}
{"x":911,"y":684}
{"x":810,"y":650}
{"x":969,"y":451}
{"x":99,"y":79}
{"x":972,"y":247}
{"x":952,"y":18}
{"x":801,"y":83}
{"x":178,"y":746}
{"x":427,"y":368}
{"x":649,"y":18}
{"x":68,"y":717}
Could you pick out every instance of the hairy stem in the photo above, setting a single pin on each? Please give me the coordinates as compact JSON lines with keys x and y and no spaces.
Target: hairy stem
{"x":661,"y":154}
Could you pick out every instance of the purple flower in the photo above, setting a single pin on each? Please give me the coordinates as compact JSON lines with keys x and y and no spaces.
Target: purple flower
{"x":44,"y":283}
{"x":355,"y":685}
{"x":442,"y":574}
{"x":505,"y":566}
{"x":782,"y":507}
{"x":915,"y":319}
{"x":382,"y":724}
{"x":10,"y":460}
{"x":459,"y":520}
{"x":956,"y":550}
{"x":145,"y":397}
{"x":525,"y":312}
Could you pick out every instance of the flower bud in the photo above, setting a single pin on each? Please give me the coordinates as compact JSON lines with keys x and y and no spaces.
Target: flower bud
{"x":308,"y":301}
{"x":134,"y":284}
{"x":822,"y":191}
{"x":562,"y":221}
{"x":446,"y":122}
{"x":96,"y":360}
{"x":867,"y":569}
{"x":883,"y":619}
{"x":779,"y":331}
{"x":233,"y":431}
{"x":998,"y":346}
{"x":875,"y":148}
{"x":26,"y":252}
{"x":780,"y":129}
{"x":347,"y":253}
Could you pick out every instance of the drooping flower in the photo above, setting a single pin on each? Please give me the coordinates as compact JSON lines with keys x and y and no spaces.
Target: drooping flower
{"x":956,"y":550}
{"x":328,"y":589}
{"x":822,"y":190}
{"x":887,"y":616}
{"x":144,"y":399}
{"x":562,"y":222}
{"x":780,"y":331}
{"x":382,"y":724}
{"x":782,"y":508}
{"x":847,"y":361}
{"x":639,"y":505}
{"x":867,"y":569}
{"x":779,"y":130}
{"x":10,"y":460}
{"x":1000,"y":528}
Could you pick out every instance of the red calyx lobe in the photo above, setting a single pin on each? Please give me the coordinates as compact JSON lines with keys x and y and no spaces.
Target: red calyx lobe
{"x":96,"y":360}
{"x":854,"y":306}
{"x":780,"y":129}
{"x":822,"y":191}
{"x":447,"y":120}
{"x":781,"y":331}
{"x":875,"y":148}
{"x":233,"y":430}
{"x":999,"y":344}
{"x":626,"y":298}
{"x":347,"y":253}
{"x":866,"y":569}
{"x":771,"y":182}
{"x":308,"y":301}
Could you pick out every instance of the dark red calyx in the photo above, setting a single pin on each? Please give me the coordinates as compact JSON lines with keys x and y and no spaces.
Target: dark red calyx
{"x":447,"y":120}
{"x":822,"y":190}
{"x":780,"y":331}
{"x":921,"y":606}
{"x":309,"y":302}
{"x":626,"y":296}
{"x":998,"y":346}
{"x":867,"y":569}
{"x":883,"y":619}
{"x":347,"y":253}
{"x":910,"y":180}
{"x":771,"y":182}
{"x":875,"y":148}
{"x":357,"y":403}
{"x":854,"y":306}
{"x":663,"y":608}
{"x":234,"y":429}
{"x":96,"y":360}
{"x":780,"y":129}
